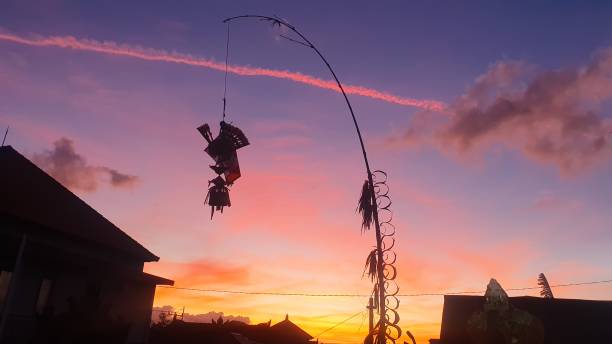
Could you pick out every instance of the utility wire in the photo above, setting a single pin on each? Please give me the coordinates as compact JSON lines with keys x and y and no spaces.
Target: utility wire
{"x":363,"y":316}
{"x":340,"y":323}
{"x":164,"y":311}
{"x":367,"y":295}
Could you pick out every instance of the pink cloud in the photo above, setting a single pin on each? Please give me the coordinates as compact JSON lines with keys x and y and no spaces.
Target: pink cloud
{"x":201,"y":273}
{"x":551,"y":117}
{"x":72,"y":170}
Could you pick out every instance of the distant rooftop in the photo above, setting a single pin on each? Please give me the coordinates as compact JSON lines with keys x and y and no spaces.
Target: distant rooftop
{"x":232,"y":332}
{"x":286,"y":328}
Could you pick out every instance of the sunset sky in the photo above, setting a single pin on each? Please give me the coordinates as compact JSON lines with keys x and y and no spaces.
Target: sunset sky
{"x":492,"y":119}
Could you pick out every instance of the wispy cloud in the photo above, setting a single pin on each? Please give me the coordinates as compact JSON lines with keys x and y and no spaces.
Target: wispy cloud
{"x":72,"y":170}
{"x":552,"y":120}
{"x":117,"y":49}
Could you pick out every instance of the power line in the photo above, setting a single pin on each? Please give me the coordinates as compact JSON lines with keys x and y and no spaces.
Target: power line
{"x":262,"y":292}
{"x":269,"y":293}
{"x":164,"y":311}
{"x":363,"y":316}
{"x":338,"y":324}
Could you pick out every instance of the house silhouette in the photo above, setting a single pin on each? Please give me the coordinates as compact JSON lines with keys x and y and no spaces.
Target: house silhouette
{"x":563,"y":320}
{"x":68,"y":275}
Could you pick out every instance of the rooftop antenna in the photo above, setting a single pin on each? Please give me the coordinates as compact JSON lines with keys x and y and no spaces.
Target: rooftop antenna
{"x":5,"y":133}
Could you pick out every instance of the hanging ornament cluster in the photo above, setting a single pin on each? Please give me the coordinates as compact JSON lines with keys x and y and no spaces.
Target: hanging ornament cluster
{"x":222,"y":150}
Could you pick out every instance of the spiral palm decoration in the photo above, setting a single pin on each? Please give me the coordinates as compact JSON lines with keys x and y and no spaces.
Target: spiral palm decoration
{"x":384,"y":269}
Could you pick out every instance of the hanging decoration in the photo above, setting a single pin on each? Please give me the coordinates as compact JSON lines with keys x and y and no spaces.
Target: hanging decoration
{"x":218,"y":195}
{"x":222,"y":150}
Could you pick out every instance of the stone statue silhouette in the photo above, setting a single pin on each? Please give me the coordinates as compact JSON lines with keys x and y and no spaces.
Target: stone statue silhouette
{"x":501,"y":323}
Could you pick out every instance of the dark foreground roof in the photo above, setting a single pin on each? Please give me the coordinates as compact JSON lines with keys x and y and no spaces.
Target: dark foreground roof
{"x":232,"y":332}
{"x":290,"y":331}
{"x":29,"y":194}
{"x":564,"y":320}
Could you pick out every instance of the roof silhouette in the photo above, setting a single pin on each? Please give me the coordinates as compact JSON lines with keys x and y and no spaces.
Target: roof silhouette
{"x":29,"y":194}
{"x":289,"y":330}
{"x":284,"y":332}
{"x":564,"y":320}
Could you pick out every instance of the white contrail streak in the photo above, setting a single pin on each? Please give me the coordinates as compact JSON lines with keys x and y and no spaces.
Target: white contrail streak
{"x":112,"y":48}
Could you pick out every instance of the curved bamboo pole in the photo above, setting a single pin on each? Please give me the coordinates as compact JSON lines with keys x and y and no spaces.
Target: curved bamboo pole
{"x":379,"y":252}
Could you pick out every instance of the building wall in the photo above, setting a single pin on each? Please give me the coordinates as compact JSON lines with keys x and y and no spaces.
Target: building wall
{"x":134,"y":302}
{"x":75,"y":272}
{"x":21,"y":323}
{"x":126,"y":301}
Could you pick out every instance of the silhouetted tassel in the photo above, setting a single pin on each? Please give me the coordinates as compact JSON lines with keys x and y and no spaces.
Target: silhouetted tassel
{"x":371,"y":265}
{"x":546,"y":292}
{"x":376,"y":303}
{"x":365,"y":206}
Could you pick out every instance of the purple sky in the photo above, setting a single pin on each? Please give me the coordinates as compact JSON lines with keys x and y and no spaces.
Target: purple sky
{"x":510,"y":180}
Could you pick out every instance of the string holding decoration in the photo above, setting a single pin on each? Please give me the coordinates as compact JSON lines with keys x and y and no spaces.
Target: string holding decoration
{"x":222,"y":150}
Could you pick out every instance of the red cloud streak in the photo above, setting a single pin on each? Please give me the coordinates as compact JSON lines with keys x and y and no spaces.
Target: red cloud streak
{"x":112,"y":48}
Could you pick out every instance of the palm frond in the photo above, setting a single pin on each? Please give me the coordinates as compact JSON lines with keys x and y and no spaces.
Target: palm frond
{"x":371,"y":265}
{"x":365,"y":206}
{"x":546,"y":291}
